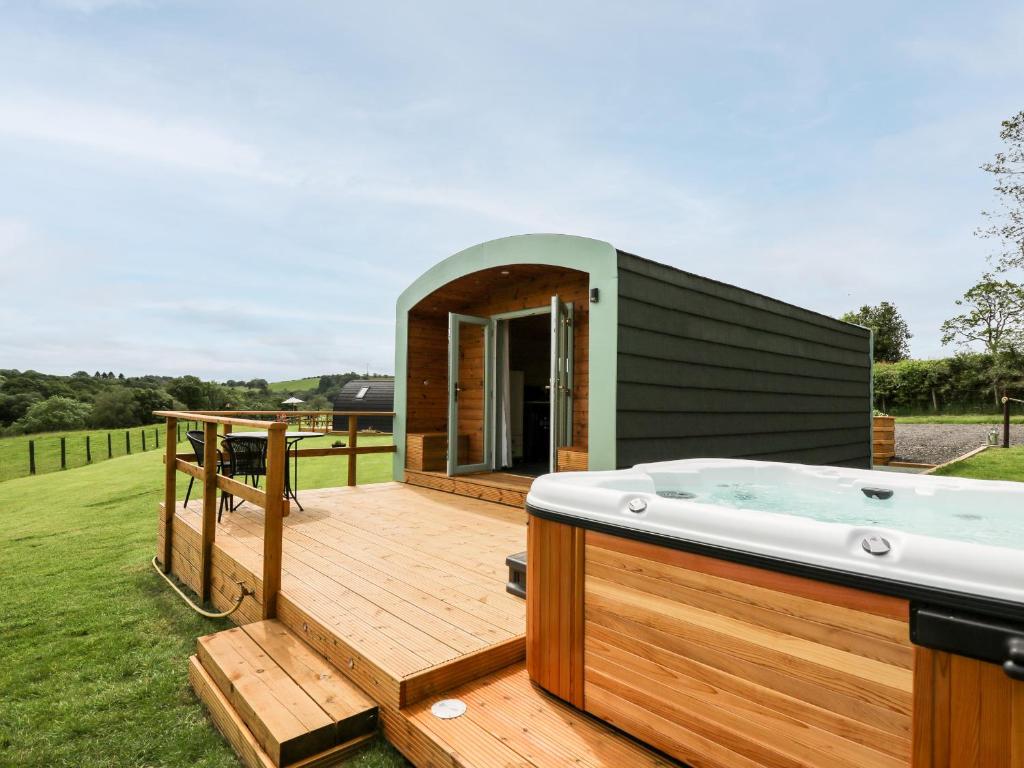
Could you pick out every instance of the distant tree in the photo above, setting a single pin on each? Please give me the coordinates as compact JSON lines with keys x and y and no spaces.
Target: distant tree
{"x":1006,"y":225}
{"x":149,"y":400}
{"x":891,"y":334}
{"x":190,"y":390}
{"x":55,"y":414}
{"x":994,"y":316}
{"x":258,"y":384}
{"x":116,"y":407}
{"x":14,"y":406}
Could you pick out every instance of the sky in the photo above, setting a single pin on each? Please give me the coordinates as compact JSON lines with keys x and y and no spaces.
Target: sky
{"x":242,"y":189}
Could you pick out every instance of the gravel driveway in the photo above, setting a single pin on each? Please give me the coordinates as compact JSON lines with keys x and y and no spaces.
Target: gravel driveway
{"x":938,"y":443}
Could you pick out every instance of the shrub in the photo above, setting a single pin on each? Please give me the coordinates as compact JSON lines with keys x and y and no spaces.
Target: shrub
{"x":55,"y":414}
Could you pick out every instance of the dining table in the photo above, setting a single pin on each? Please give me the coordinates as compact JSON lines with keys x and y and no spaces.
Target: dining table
{"x":291,"y":442}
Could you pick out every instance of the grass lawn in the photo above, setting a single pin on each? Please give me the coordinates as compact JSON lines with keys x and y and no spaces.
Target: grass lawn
{"x":992,"y":464}
{"x":93,"y":643}
{"x":295,"y":385}
{"x":14,"y":450}
{"x":967,"y":418}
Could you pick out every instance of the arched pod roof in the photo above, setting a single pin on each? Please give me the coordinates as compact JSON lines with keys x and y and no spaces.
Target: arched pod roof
{"x":596,"y":258}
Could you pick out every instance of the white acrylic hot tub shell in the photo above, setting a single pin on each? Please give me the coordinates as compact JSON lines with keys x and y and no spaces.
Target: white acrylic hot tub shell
{"x":956,"y":566}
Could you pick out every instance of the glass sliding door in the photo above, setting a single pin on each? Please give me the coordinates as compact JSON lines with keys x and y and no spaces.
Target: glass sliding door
{"x":469,"y":394}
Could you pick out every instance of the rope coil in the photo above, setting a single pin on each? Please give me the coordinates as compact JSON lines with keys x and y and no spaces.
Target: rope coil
{"x":245,"y":592}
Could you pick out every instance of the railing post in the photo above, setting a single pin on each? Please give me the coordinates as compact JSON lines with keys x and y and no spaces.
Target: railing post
{"x":273,"y":533}
{"x":143,"y":433}
{"x":353,"y":435}
{"x":127,"y":442}
{"x":63,"y":453}
{"x":31,"y":457}
{"x":209,"y":507}
{"x":170,"y":495}
{"x":88,"y":451}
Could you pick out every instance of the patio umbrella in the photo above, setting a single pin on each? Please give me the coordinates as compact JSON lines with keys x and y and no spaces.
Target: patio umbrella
{"x":292,"y":401}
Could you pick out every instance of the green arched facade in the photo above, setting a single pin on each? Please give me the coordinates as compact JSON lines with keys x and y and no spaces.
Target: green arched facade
{"x":596,"y":258}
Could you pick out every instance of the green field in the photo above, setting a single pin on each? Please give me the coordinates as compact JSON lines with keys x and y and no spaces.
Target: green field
{"x":14,"y":461}
{"x":992,"y":464}
{"x":295,"y":385}
{"x":93,"y":643}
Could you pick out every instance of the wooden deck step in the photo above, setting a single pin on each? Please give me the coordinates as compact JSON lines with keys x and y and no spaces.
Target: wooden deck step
{"x":292,"y":702}
{"x":240,"y":737}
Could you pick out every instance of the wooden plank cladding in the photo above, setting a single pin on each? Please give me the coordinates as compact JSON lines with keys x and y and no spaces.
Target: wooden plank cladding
{"x":499,"y":487}
{"x":554,"y":608}
{"x":485,"y":293}
{"x":722,"y":665}
{"x":710,"y":370}
{"x":967,"y":713}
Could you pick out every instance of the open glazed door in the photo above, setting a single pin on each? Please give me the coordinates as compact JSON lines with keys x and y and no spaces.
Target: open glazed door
{"x":469,"y":405}
{"x":561,"y":377}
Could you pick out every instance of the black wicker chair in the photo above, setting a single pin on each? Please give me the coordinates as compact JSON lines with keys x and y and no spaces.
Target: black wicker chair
{"x":247,"y":459}
{"x":198,"y":441}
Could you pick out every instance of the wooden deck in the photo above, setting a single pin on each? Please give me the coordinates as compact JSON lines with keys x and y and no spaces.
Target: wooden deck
{"x":501,"y":487}
{"x":402,"y":588}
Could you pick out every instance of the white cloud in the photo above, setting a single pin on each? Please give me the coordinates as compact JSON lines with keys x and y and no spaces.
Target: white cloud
{"x":184,"y":144}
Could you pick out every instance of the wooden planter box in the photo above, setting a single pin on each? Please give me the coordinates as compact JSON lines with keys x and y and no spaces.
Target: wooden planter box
{"x":883,"y":439}
{"x":428,"y":451}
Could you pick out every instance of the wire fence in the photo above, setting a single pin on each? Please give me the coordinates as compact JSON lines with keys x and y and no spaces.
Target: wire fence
{"x":39,"y":454}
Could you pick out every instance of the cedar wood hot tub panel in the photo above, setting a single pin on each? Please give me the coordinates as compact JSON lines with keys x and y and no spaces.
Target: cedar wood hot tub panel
{"x":722,"y":664}
{"x":487,"y":293}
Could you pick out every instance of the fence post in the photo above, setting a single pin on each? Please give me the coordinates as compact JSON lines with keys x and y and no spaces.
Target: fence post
{"x":209,"y":507}
{"x":353,"y":433}
{"x":142,"y":432}
{"x":63,"y":453}
{"x":156,"y":436}
{"x":127,"y":442}
{"x":170,"y":496}
{"x":1006,"y":420}
{"x":177,"y":433}
{"x":273,"y":533}
{"x":88,"y":451}
{"x":110,"y":447}
{"x":31,"y":457}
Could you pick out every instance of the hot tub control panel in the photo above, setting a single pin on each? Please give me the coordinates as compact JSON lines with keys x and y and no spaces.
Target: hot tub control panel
{"x":972,"y":636}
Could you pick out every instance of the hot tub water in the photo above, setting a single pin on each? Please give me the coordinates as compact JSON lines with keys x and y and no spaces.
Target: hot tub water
{"x":998,"y":524}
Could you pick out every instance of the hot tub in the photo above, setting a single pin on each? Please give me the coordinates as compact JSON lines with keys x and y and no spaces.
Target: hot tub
{"x":753,"y":613}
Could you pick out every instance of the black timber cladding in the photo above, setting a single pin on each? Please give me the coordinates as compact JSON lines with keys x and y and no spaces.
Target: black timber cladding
{"x":707,"y":369}
{"x":379,"y":396}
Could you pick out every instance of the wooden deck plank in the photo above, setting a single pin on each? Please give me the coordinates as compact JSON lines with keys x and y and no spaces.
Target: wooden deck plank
{"x":354,"y":713}
{"x":286,"y":722}
{"x":509,"y":721}
{"x":334,"y":559}
{"x":412,"y":578}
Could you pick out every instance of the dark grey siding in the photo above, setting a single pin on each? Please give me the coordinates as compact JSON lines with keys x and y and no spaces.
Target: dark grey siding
{"x":710,"y":370}
{"x":379,"y":396}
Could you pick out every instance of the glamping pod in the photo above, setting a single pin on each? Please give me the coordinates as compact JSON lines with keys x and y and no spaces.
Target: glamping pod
{"x":366,"y":395}
{"x":542,"y":353}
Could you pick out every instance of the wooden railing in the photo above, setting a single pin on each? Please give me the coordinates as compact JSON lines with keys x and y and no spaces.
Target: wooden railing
{"x":271,"y":499}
